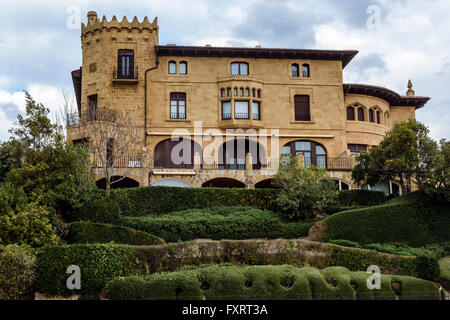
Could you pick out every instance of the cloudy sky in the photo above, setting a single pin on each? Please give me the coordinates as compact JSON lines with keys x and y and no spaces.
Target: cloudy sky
{"x":397,"y":39}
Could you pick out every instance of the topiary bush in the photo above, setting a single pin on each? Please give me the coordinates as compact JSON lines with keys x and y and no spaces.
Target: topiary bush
{"x":217,"y":223}
{"x":266,"y":282}
{"x":145,"y":201}
{"x":17,"y":271}
{"x":100,"y":209}
{"x":90,"y":232}
{"x":360,"y":197}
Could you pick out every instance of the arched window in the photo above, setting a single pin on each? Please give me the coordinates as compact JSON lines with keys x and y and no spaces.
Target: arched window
{"x":305,"y":70}
{"x":259,"y":93}
{"x":241,"y":92}
{"x":378,"y":117}
{"x":239,"y":68}
{"x":183,"y":67}
{"x":360,"y":114}
{"x":371,"y":116}
{"x":350,"y":113}
{"x":172,"y":67}
{"x":176,"y":154}
{"x":313,"y":152}
{"x":247,"y":92}
{"x":341,"y":185}
{"x":301,"y":106}
{"x":235,"y":92}
{"x":232,"y":154}
{"x":125,"y":65}
{"x":229,"y":92}
{"x":294,"y":69}
{"x":222,"y":93}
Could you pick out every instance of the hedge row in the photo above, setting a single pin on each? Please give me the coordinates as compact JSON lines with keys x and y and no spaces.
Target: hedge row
{"x":144,"y":201}
{"x":267,"y":282}
{"x":444,"y":278}
{"x":412,"y":220}
{"x":360,"y":197}
{"x":217,"y":223}
{"x":100,"y":263}
{"x":90,"y":232}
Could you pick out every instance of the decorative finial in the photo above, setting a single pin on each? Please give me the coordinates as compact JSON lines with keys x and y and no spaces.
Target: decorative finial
{"x":410,"y":92}
{"x":92,"y":17}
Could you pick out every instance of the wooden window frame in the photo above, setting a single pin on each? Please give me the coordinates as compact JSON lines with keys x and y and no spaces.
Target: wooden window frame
{"x":178,"y":96}
{"x":298,"y":115}
{"x":186,"y":67}
{"x":293,"y":74}
{"x":122,"y":53}
{"x":172,"y":62}
{"x":239,"y":63}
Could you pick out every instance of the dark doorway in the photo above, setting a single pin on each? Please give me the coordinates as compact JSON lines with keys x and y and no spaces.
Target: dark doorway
{"x":124,"y":183}
{"x":223,"y":183}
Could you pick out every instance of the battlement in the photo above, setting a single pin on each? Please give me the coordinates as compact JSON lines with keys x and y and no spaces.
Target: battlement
{"x":94,"y":24}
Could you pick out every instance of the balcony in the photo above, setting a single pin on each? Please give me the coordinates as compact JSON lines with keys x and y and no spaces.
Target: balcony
{"x":126,"y":76}
{"x":75,"y":119}
{"x":122,"y":161}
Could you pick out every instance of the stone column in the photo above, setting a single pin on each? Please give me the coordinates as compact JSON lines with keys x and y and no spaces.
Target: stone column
{"x":248,"y":162}
{"x":301,"y":160}
{"x":197,"y":162}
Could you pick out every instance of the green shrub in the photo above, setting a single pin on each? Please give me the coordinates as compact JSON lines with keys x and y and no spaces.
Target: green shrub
{"x":413,"y":221}
{"x":346,"y":243}
{"x":266,"y":282}
{"x":360,"y":197}
{"x":101,"y":209}
{"x":90,"y":232}
{"x":217,"y":223}
{"x":444,"y":278}
{"x":98,"y":264}
{"x":145,"y":201}
{"x":17,"y":271}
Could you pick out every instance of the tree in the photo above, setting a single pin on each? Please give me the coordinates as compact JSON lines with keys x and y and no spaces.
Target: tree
{"x":433,"y":171}
{"x":36,"y":130}
{"x":303,"y":189}
{"x":397,"y":158}
{"x":111,"y":140}
{"x":11,"y":153}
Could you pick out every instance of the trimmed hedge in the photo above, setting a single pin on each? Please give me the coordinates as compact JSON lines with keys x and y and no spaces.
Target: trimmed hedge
{"x":17,"y":271}
{"x":444,"y":278}
{"x":217,"y":223}
{"x":90,"y":232}
{"x":266,"y":282}
{"x":100,"y":263}
{"x":360,"y":197}
{"x":143,"y":201}
{"x":414,"y":221}
{"x":101,"y":209}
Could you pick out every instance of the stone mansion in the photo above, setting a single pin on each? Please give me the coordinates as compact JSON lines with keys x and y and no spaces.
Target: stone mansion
{"x":256,"y":104}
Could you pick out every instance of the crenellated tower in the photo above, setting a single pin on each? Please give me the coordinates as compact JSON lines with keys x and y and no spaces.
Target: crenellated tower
{"x":115,"y":56}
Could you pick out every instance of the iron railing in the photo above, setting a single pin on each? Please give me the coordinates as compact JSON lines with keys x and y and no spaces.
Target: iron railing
{"x":133,"y":160}
{"x":226,"y":116}
{"x":241,"y":115}
{"x":86,"y":116}
{"x":174,"y":115}
{"x":132,"y":74}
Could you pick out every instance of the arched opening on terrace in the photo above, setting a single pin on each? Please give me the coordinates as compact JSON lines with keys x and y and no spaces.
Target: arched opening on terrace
{"x":223,"y":183}
{"x":265,"y":184}
{"x":121,"y":183}
{"x":171,"y":182}
{"x":176,"y":154}
{"x":232,"y":154}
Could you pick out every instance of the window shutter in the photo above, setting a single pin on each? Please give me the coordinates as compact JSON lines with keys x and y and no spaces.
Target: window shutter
{"x":302,"y":108}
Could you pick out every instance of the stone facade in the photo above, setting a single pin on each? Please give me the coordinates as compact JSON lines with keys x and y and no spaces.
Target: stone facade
{"x":146,"y":97}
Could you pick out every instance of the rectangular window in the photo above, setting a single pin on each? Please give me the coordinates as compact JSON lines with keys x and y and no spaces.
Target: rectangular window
{"x":235,"y":68}
{"x":183,"y":67}
{"x":226,"y":110}
{"x":239,"y":68}
{"x":172,"y":67}
{"x":125,"y":64}
{"x":302,"y":108}
{"x":255,"y":110}
{"x":356,"y":148}
{"x":241,"y":110}
{"x":92,"y":107}
{"x":178,"y":105}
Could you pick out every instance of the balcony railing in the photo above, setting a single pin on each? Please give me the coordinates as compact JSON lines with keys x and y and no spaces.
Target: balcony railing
{"x":131,"y":74}
{"x":241,"y":115}
{"x":74,"y":119}
{"x":122,"y":161}
{"x":256,"y":116}
{"x":174,"y":115}
{"x":226,"y":116}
